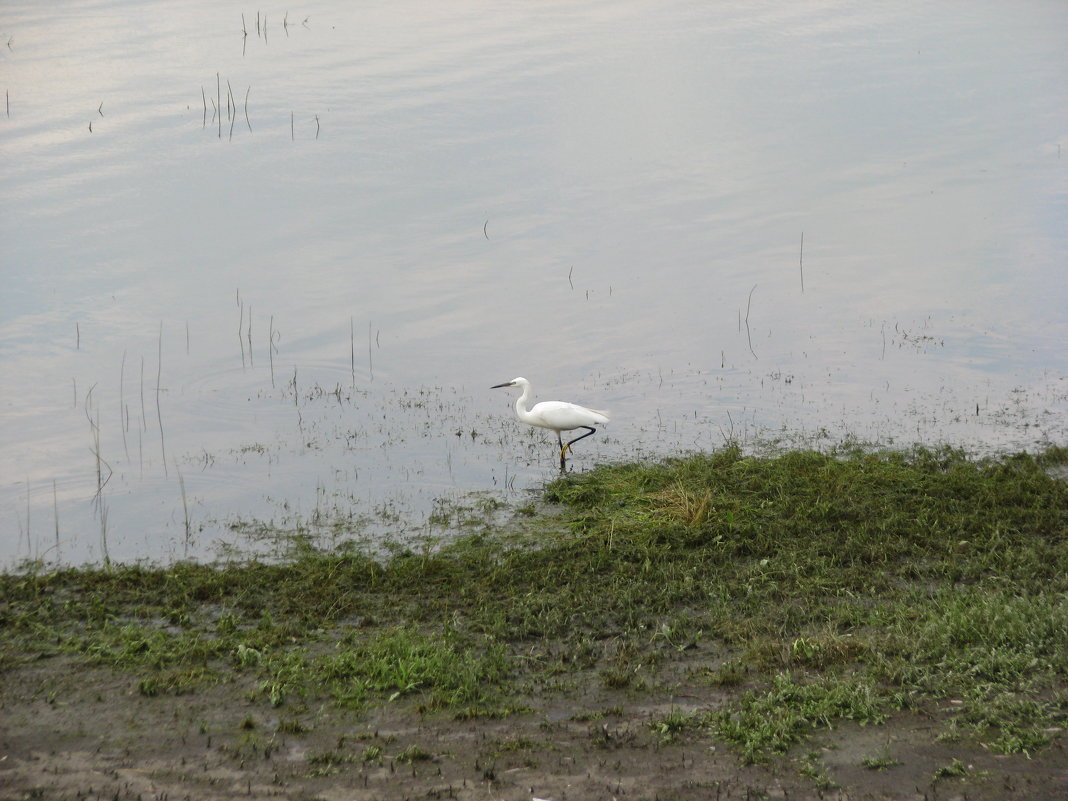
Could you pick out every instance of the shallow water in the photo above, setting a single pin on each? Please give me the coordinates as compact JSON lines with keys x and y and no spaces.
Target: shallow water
{"x":767,"y":222}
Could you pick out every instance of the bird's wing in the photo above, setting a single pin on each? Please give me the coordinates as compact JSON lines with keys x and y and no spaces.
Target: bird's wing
{"x":563,"y":416}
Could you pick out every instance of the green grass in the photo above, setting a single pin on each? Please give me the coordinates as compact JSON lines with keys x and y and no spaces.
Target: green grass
{"x":809,"y":588}
{"x":774,"y":718}
{"x":879,"y":762}
{"x":676,"y":724}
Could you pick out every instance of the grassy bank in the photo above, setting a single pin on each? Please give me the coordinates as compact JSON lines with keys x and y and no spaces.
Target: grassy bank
{"x":808,"y":589}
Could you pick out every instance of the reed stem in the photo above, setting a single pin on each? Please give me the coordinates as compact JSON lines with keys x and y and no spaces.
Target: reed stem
{"x":159,"y":414}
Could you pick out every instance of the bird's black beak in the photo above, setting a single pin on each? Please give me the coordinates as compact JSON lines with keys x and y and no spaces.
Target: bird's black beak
{"x":505,"y":384}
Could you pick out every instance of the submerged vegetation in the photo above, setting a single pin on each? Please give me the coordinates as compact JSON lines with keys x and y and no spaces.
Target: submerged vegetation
{"x":800,"y":591}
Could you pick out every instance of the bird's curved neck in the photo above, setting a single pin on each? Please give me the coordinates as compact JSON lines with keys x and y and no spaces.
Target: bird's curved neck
{"x":521,"y":403}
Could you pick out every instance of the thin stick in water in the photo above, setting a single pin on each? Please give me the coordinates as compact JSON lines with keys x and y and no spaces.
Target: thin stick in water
{"x":352,"y":350}
{"x":122,"y":403}
{"x":101,"y":482}
{"x":801,"y":262}
{"x":159,"y":415}
{"x":747,"y":334}
{"x":247,"y":121}
{"x":270,"y":348}
{"x":241,"y":328}
{"x":292,"y":133}
{"x":185,"y":509}
{"x":231,"y":104}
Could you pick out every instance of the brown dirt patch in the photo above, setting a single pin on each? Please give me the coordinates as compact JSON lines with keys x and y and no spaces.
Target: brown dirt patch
{"x":68,"y":731}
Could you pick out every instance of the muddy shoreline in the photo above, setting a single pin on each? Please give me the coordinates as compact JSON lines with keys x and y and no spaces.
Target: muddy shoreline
{"x":70,"y":731}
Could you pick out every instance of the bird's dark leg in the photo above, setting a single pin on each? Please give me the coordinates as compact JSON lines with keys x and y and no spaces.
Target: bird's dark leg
{"x":589,"y":430}
{"x":563,"y":451}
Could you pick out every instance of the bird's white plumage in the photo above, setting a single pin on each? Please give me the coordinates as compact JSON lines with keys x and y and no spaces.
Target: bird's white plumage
{"x":554,"y":415}
{"x":561,"y":415}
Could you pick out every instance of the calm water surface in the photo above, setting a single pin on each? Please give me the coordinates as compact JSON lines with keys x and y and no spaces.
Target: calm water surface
{"x":266,"y":279}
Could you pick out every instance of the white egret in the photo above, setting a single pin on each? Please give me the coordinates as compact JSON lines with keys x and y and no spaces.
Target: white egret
{"x":555,"y":415}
